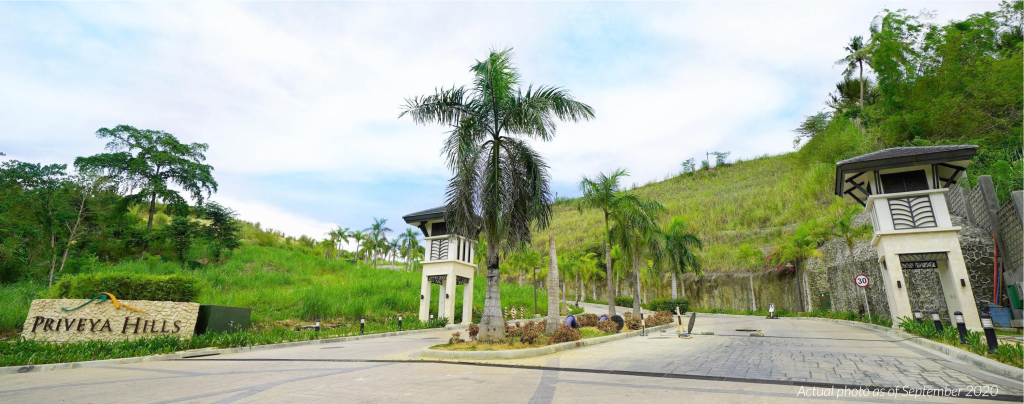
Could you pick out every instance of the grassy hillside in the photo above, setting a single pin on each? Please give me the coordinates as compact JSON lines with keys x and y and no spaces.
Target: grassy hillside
{"x":285,"y":287}
{"x":746,"y":202}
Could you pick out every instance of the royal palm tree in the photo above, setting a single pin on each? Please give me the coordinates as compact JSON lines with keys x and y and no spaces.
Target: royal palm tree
{"x":619,"y":207}
{"x":378,"y":232}
{"x":857,"y":54}
{"x":409,"y":242}
{"x":338,"y":236}
{"x":750,"y":257}
{"x":500,"y":183}
{"x":637,"y":234}
{"x":680,"y":247}
{"x":359,"y":238}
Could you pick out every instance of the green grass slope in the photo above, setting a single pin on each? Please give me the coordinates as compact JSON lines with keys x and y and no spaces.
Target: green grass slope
{"x":286,"y":287}
{"x":750,"y":201}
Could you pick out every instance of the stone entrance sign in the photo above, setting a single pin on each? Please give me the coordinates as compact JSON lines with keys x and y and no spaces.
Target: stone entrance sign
{"x":106,"y":318}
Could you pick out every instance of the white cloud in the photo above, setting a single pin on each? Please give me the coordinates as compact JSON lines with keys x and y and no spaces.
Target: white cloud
{"x":304,"y":90}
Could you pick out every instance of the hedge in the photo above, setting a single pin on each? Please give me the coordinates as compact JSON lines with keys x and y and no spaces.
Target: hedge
{"x":127,"y":286}
{"x":669,"y":305}
{"x":623,"y":301}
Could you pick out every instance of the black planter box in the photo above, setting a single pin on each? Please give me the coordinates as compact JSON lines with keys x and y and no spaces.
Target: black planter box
{"x":222,"y":319}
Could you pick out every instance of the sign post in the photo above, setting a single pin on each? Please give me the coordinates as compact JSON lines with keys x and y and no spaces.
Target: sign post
{"x":862,"y":282}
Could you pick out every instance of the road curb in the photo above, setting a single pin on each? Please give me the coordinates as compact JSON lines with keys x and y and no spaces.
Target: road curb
{"x":981,"y":362}
{"x":7,"y":370}
{"x":531,"y":352}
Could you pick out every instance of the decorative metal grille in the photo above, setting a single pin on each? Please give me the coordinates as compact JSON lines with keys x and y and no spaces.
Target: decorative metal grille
{"x":955,"y":200}
{"x":922,"y":260}
{"x":461,"y":280}
{"x":911,"y":212}
{"x":437,"y":279}
{"x":438,"y":249}
{"x":1012,"y":231}
{"x":979,"y":211}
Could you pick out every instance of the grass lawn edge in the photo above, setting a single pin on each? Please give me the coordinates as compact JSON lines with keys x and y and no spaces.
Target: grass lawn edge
{"x":6,"y":370}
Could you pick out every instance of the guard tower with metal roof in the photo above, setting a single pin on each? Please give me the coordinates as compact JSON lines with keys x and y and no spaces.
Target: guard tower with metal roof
{"x":448,"y":262}
{"x":904,"y":190}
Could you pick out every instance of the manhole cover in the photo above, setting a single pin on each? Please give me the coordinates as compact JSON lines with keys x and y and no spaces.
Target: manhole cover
{"x":746,"y":329}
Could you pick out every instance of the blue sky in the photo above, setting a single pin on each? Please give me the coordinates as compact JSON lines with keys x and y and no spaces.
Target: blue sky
{"x":299,"y":101}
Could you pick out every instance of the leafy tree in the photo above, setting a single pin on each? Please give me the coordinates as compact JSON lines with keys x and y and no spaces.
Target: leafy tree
{"x":796,"y":249}
{"x":845,"y":229}
{"x":147,"y":163}
{"x":180,"y":233}
{"x":811,"y":127}
{"x":224,"y":231}
{"x":500,"y":183}
{"x":681,"y":249}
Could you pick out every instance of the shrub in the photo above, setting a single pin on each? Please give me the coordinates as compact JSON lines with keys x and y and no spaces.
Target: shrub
{"x":587,"y":319}
{"x":624,"y":301}
{"x":531,"y":333}
{"x":127,"y":286}
{"x":456,"y":338}
{"x":474,"y":330}
{"x":607,"y":327}
{"x":565,"y":333}
{"x":632,"y":322}
{"x":669,"y":305}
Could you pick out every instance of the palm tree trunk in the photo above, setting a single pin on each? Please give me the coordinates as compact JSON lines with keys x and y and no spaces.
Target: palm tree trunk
{"x":862,"y":87}
{"x":753,"y":300}
{"x":636,"y":286}
{"x":564,"y":307}
{"x":675,"y":295}
{"x":553,"y":318}
{"x":682,"y":288}
{"x":492,"y":322}
{"x":608,"y":271}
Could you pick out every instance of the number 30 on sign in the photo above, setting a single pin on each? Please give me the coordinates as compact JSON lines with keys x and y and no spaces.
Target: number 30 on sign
{"x":862,"y":280}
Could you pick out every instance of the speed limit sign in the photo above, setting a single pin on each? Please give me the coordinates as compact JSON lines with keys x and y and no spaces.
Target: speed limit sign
{"x":862,"y":280}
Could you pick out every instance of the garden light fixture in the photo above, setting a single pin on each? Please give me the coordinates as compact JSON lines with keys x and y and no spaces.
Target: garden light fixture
{"x":917,"y":316}
{"x":990,"y":332}
{"x":399,"y":322}
{"x":362,"y":325}
{"x":958,"y":318}
{"x":937,"y":321}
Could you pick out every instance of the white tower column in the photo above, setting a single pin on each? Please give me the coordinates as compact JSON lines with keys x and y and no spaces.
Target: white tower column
{"x":424,"y":298}
{"x":467,"y":302}
{"x":449,"y":301}
{"x":441,"y":299}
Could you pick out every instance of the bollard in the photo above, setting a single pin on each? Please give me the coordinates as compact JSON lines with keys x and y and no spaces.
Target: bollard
{"x":990,"y":333}
{"x":960,"y":326}
{"x":937,"y":321}
{"x":399,"y":322}
{"x":643,"y":325}
{"x":317,"y":328}
{"x":362,"y":325}
{"x":917,"y":316}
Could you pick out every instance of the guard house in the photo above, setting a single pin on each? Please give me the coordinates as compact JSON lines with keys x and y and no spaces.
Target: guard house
{"x":904,"y":190}
{"x":448,"y":262}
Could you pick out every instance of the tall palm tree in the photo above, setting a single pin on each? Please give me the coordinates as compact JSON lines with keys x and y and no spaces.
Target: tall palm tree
{"x":395,"y":247}
{"x":637,"y":234}
{"x":409,"y":242}
{"x":500,"y":183}
{"x":857,"y":54}
{"x":619,"y":207}
{"x":359,"y":237}
{"x":681,"y":246}
{"x":750,"y":257}
{"x":339,"y":236}
{"x":378,"y":232}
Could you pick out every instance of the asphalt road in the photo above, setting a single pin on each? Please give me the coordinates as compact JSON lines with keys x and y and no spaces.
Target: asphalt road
{"x":796,"y":361}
